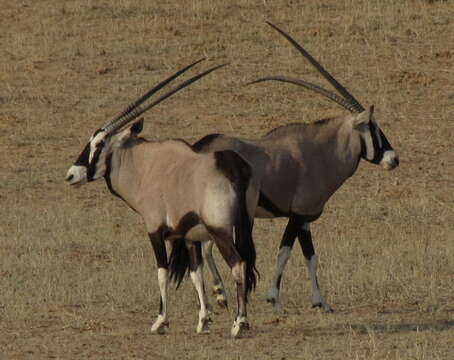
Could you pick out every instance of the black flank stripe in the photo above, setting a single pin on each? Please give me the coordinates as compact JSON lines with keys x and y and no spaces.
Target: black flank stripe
{"x":268,"y":205}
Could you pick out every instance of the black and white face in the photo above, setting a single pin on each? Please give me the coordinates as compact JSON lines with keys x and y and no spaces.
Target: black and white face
{"x":375,"y":146}
{"x":94,"y":160}
{"x":91,"y":163}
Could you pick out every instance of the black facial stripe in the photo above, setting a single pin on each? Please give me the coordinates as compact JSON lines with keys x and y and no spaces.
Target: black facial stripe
{"x":92,"y":165}
{"x":378,"y":151}
{"x":84,"y":156}
{"x":386,"y":146}
{"x":375,"y":143}
{"x":82,"y":160}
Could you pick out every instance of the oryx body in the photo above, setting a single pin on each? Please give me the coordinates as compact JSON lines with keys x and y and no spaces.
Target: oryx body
{"x":182,"y":196}
{"x":305,"y":165}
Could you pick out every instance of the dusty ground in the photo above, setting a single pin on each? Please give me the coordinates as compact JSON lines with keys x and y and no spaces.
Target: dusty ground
{"x":77,"y":277}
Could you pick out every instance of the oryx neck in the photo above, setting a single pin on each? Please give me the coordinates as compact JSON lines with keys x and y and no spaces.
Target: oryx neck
{"x":122,"y":174}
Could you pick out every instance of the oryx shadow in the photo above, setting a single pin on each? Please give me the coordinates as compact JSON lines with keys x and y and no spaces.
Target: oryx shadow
{"x":405,"y":326}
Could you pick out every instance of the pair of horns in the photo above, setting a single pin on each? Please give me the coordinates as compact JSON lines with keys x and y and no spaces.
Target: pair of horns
{"x":133,"y":110}
{"x":346,"y":100}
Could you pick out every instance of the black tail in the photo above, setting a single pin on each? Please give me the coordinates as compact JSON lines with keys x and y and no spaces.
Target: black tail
{"x":239,"y":172}
{"x":178,"y":261}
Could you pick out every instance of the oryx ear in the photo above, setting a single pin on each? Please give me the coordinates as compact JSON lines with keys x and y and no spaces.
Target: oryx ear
{"x":363,"y":118}
{"x":129,"y":132}
{"x":137,"y":127}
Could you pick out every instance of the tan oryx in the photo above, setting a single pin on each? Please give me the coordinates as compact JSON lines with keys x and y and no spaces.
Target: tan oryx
{"x":307,"y":164}
{"x":182,"y":196}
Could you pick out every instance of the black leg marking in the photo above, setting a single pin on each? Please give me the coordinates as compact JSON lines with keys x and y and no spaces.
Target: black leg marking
{"x":159,"y":248}
{"x":195,"y":255}
{"x":288,"y":240}
{"x":305,"y":240}
{"x":285,"y":248}
{"x":291,"y":232}
{"x":160,"y":252}
{"x":226,"y":247}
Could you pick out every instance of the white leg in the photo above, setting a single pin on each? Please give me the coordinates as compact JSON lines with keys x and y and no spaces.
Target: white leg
{"x":204,"y":313}
{"x":241,"y":324}
{"x":161,"y":324}
{"x":218,"y":285}
{"x":305,"y":239}
{"x":317,"y":299}
{"x":282,"y":258}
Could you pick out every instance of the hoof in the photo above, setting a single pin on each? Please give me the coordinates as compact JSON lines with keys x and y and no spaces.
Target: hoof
{"x":221,"y":299}
{"x":277,"y":306}
{"x":239,"y":328}
{"x":325,"y":307}
{"x":222,"y":302}
{"x":160,"y":328}
{"x":203,"y":326}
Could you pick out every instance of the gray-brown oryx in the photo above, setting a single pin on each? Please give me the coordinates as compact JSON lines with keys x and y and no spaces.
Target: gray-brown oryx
{"x":182,"y":196}
{"x":306,"y":164}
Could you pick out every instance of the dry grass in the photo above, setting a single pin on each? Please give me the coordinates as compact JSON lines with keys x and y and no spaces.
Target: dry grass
{"x":77,"y":275}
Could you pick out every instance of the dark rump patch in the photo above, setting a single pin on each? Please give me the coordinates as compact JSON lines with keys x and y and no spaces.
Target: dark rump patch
{"x":239,"y":172}
{"x":234,"y":167}
{"x":204,"y":142}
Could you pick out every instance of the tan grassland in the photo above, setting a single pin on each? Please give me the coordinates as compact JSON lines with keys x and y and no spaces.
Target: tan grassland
{"x":77,"y":275}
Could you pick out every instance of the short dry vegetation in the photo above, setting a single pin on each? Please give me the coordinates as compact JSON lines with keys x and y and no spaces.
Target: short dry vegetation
{"x":77,"y":276}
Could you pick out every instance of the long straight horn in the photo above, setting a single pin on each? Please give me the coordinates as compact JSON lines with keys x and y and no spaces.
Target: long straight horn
{"x":342,"y":90}
{"x":329,"y":94}
{"x":140,"y":110}
{"x":119,"y":118}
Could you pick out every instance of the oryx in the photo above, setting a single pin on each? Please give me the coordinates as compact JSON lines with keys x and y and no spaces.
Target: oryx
{"x":182,"y":196}
{"x":306,"y":164}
